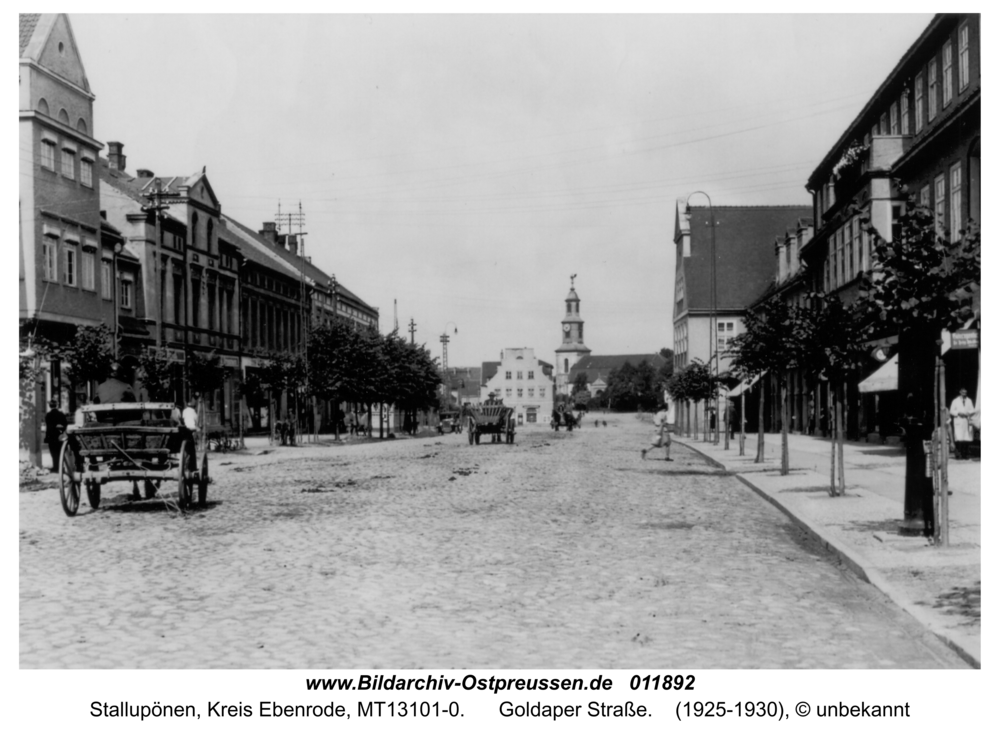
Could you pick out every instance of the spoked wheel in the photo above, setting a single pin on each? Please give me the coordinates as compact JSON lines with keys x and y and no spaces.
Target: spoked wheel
{"x":69,"y":486}
{"x":203,"y":480}
{"x":187,"y":468}
{"x":94,"y":493}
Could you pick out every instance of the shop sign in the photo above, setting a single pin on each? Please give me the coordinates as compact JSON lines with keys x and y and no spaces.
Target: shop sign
{"x":965,"y":340}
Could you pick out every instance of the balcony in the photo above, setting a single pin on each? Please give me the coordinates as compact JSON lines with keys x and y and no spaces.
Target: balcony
{"x":857,"y":162}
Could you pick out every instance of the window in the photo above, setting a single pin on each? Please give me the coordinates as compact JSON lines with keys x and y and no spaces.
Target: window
{"x":894,"y":118}
{"x":196,"y":306}
{"x":904,"y":112}
{"x":211,"y":307}
{"x":918,"y":101}
{"x":106,"y":279}
{"x":883,"y":124}
{"x":49,"y":155}
{"x":857,"y":246}
{"x":866,"y":257}
{"x":925,"y":196}
{"x":541,"y":392}
{"x":508,"y":375}
{"x":849,"y":252}
{"x":826,"y":274}
{"x":49,"y":245}
{"x":86,"y":172}
{"x":531,"y":375}
{"x":520,"y":375}
{"x":963,"y":57}
{"x":956,"y":203}
{"x":69,"y":265}
{"x":179,"y":298}
{"x":725,"y":331}
{"x":939,"y":205}
{"x":509,"y":393}
{"x":125,"y":295}
{"x":531,"y":393}
{"x":87,"y":263}
{"x":841,"y":270}
{"x":932,"y":90}
{"x":68,"y":162}
{"x":946,"y":87}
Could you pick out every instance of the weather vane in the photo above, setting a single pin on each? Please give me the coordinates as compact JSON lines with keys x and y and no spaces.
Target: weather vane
{"x":571,"y":280}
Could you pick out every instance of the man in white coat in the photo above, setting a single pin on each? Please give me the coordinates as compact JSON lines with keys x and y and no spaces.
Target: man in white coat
{"x":961,"y":412}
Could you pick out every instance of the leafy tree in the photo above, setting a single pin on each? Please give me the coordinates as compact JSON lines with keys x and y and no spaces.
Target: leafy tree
{"x":920,"y":284}
{"x":157,"y":372}
{"x":774,"y":339}
{"x":89,"y":356}
{"x":580,"y":382}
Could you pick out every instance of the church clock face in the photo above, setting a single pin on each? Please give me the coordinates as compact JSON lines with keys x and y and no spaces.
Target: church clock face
{"x":566,"y":329}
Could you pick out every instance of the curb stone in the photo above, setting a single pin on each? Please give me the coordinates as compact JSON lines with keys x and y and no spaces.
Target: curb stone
{"x":856,"y":563}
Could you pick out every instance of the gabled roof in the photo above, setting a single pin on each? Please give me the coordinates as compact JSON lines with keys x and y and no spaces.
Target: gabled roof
{"x":599,"y":366}
{"x":744,"y":252}
{"x":60,"y":57}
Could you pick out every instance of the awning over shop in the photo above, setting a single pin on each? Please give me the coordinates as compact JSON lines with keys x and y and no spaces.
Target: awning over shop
{"x":886,"y":378}
{"x":744,"y":386}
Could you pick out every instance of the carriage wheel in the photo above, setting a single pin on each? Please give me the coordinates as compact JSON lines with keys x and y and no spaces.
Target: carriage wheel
{"x":94,"y":493}
{"x":186,"y":469}
{"x":203,"y":481}
{"x":69,"y":487}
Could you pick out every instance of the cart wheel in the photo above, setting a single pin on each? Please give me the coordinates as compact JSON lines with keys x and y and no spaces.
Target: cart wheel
{"x":94,"y":493}
{"x":203,"y":481}
{"x":69,"y":487}
{"x":186,"y":469}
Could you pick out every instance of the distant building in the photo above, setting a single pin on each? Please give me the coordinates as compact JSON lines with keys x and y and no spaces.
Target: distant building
{"x":597,"y":368}
{"x":522,"y":381}
{"x":463,"y":384}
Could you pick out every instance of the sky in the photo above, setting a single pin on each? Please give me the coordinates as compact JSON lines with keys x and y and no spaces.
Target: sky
{"x":457,"y":169}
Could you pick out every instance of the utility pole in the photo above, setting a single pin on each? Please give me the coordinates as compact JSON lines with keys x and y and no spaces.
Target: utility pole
{"x":157,"y":207}
{"x":413,"y":329}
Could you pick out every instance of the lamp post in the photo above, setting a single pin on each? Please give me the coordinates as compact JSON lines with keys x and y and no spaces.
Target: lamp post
{"x":157,"y":207}
{"x":713,"y":308}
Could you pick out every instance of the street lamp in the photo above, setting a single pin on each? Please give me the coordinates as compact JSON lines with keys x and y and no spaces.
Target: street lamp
{"x":713,"y":333}
{"x":157,"y":207}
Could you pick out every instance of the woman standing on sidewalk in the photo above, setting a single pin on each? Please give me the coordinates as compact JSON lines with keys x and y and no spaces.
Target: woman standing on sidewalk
{"x":661,"y":431}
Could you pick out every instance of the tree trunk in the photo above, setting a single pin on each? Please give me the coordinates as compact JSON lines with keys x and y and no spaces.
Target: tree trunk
{"x":917,"y":353}
{"x":839,"y":398}
{"x":695,"y":415}
{"x":760,"y":424}
{"x":704,"y":429}
{"x":743,"y":421}
{"x":784,"y":423}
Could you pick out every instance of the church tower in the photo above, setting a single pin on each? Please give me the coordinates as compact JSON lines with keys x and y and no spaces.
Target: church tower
{"x":572,"y":348}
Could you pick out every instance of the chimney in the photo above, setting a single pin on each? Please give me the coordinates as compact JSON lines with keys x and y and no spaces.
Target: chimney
{"x":144,"y":174}
{"x":293,"y":244}
{"x":270,"y":232}
{"x":116,"y":159}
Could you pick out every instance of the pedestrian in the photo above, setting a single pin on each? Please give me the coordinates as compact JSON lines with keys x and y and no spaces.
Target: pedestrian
{"x":961,"y":412}
{"x":190,"y":416}
{"x":55,"y":427}
{"x":661,"y":431}
{"x":115,"y":389}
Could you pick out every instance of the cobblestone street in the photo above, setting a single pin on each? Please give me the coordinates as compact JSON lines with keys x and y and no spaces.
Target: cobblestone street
{"x":562,"y":551}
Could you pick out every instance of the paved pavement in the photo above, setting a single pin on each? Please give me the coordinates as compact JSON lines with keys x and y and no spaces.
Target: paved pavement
{"x":561,"y":551}
{"x":940,"y":586}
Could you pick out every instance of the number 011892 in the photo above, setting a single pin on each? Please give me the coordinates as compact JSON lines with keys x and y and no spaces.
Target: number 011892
{"x":662,"y":682}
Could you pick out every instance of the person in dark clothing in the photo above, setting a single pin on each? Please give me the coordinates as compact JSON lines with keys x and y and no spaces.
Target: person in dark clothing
{"x":115,"y":390}
{"x":55,"y":425}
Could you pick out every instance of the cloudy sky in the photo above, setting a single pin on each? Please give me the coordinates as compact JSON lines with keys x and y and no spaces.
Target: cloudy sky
{"x":465,"y":166}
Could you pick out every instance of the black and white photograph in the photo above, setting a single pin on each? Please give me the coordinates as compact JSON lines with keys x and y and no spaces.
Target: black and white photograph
{"x":416,"y":350}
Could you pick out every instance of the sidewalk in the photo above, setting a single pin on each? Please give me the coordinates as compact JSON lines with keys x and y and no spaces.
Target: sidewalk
{"x":940,"y":587}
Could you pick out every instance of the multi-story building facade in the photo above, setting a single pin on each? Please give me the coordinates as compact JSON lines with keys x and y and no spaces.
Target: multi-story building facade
{"x":742,"y":240}
{"x":523,"y":382}
{"x":63,"y":281}
{"x":190,"y":270}
{"x":919,"y":134}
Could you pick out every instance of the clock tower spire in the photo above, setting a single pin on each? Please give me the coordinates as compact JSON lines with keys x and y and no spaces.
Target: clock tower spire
{"x":572,"y":347}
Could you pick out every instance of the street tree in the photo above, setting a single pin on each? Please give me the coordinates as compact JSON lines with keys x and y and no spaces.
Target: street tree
{"x":920,"y":283}
{"x":773,"y":340}
{"x":156,"y":371}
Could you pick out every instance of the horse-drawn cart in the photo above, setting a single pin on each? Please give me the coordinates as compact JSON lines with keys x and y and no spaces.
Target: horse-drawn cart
{"x":136,"y":442}
{"x":495,"y":420}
